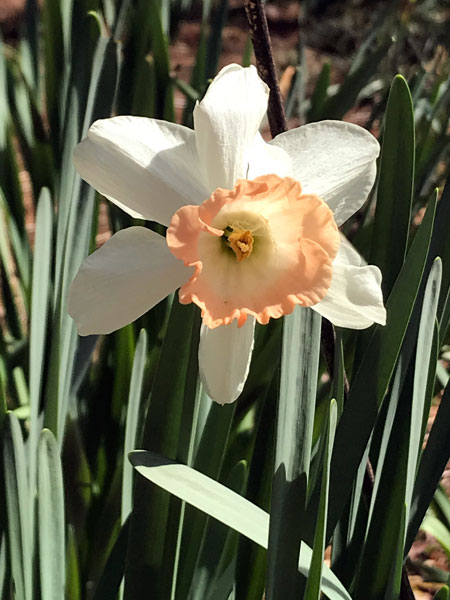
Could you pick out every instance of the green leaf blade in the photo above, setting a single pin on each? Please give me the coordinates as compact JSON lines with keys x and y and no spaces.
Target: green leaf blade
{"x":224,"y":505}
{"x":17,"y":507}
{"x":295,"y":422}
{"x":395,"y":186}
{"x":313,"y":584}
{"x":51,"y":522}
{"x":375,"y":372}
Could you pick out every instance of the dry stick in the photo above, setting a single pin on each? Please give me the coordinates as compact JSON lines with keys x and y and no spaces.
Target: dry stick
{"x":262,"y":47}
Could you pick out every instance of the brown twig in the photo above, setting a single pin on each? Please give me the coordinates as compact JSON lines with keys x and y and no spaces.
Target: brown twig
{"x":262,"y":46}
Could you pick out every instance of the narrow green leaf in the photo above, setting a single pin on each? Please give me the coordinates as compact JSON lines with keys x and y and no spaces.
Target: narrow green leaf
{"x":395,"y":581}
{"x":394,"y":397}
{"x":251,"y":560}
{"x":383,"y":535}
{"x":337,"y":105}
{"x":12,"y":308}
{"x":191,"y":93}
{"x":123,"y":345}
{"x":375,"y":372}
{"x":214,"y":45}
{"x":151,"y":507}
{"x":313,"y":584}
{"x":440,"y":246}
{"x":112,"y":574}
{"x":88,"y":51}
{"x":73,"y":576}
{"x":20,"y":384}
{"x":395,"y":186}
{"x":438,"y":530}
{"x":320,"y":93}
{"x":9,"y":174}
{"x":134,"y":404}
{"x":19,"y":245}
{"x":29,"y":47}
{"x":208,"y":460}
{"x":295,"y":422}
{"x":395,"y":477}
{"x":441,"y":503}
{"x":432,"y":464}
{"x":248,"y":52}
{"x":338,"y":384}
{"x":4,"y":111}
{"x":54,"y":52}
{"x":90,"y":96}
{"x":3,"y":385}
{"x":51,"y":522}
{"x":83,"y":357}
{"x":74,"y":234}
{"x":223,"y":588}
{"x":160,"y":49}
{"x":443,"y":593}
{"x":422,"y":365}
{"x":17,"y":508}
{"x":23,"y":114}
{"x":198,"y":77}
{"x":109,"y":10}
{"x":121,"y":19}
{"x":38,"y":325}
{"x":224,"y":505}
{"x":216,"y":544}
{"x":349,"y":532}
{"x":144,"y":91}
{"x":3,"y":569}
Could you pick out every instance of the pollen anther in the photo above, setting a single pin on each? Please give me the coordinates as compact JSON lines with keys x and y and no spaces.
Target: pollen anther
{"x":241,"y":242}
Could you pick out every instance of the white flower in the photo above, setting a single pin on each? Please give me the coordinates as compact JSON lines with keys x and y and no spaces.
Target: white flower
{"x":254,"y":223}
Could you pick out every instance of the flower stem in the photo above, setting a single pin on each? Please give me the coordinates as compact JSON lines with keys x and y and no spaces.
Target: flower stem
{"x":262,"y":46}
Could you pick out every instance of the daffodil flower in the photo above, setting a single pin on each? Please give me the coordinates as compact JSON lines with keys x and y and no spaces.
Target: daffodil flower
{"x":252,"y":226}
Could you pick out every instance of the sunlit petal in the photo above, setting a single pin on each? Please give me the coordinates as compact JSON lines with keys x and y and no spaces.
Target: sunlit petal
{"x":355,"y":299}
{"x":224,"y":357}
{"x":149,"y":168}
{"x":335,"y":160}
{"x":267,"y":159}
{"x":226,"y":122}
{"x":118,"y":283}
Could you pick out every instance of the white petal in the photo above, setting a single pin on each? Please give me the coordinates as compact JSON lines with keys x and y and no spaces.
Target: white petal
{"x":147,"y":167}
{"x":355,"y":299}
{"x":266,"y":159}
{"x":335,"y":160}
{"x":118,"y":283}
{"x":348,"y":255}
{"x":226,"y":122}
{"x":224,"y":356}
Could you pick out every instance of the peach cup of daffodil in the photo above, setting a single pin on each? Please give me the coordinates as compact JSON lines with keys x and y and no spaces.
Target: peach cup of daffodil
{"x":252,"y":226}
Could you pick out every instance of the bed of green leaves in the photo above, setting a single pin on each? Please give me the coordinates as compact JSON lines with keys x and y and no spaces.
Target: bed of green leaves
{"x":230,"y":502}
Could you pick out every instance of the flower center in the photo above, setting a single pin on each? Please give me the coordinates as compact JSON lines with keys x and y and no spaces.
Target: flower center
{"x":240,"y":241}
{"x":288,"y":238}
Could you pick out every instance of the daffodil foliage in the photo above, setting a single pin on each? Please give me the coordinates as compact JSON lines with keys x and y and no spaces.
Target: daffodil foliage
{"x":219,"y":348}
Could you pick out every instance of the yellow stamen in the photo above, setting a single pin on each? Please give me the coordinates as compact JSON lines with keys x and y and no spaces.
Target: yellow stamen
{"x":241,"y":242}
